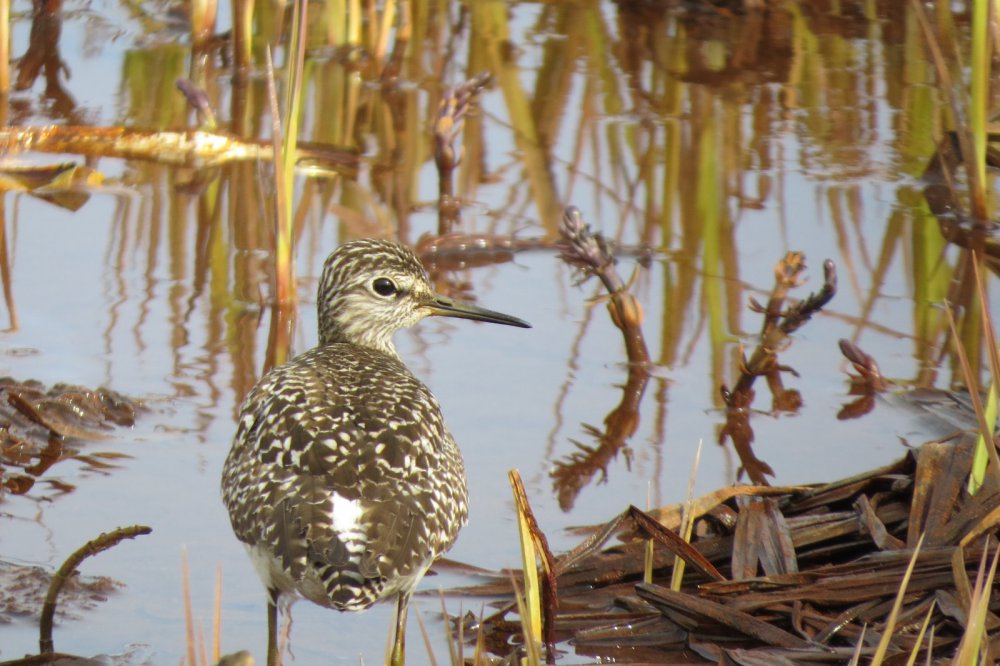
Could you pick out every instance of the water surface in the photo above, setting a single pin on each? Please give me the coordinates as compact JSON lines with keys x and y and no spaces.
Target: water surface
{"x":705,"y":143}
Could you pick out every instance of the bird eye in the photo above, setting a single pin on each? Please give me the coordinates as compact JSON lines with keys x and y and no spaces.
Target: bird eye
{"x":384,"y":287}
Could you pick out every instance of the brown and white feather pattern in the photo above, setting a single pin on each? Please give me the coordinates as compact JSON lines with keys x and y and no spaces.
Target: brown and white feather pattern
{"x":343,"y":480}
{"x":345,"y":476}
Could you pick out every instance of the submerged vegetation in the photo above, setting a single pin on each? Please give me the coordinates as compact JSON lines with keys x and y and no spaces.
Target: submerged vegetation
{"x":689,"y":135}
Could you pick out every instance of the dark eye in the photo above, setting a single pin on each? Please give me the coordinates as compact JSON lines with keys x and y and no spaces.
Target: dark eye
{"x":384,"y":287}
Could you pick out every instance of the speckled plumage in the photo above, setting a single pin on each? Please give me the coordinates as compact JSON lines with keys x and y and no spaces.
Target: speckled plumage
{"x":352,"y":421}
{"x":343,"y":480}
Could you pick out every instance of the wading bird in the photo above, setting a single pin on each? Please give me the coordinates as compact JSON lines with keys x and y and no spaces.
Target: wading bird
{"x":343,"y":481}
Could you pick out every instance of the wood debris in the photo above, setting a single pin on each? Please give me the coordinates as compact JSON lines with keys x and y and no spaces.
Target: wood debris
{"x":806,"y":574}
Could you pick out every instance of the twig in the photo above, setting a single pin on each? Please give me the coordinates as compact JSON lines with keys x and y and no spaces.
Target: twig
{"x":92,"y":547}
{"x":868,"y":382}
{"x":193,"y":149}
{"x":198,"y":99}
{"x":452,"y":109}
{"x":590,"y":253}
{"x":779,"y":323}
{"x":869,"y":377}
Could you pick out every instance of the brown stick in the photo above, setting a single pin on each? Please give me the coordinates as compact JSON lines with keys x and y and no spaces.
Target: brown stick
{"x":452,"y":109}
{"x":779,"y":323}
{"x":92,"y":547}
{"x":590,"y":253}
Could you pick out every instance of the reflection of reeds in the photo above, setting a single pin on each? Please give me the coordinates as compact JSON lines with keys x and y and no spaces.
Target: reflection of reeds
{"x":654,"y":121}
{"x":283,"y":286}
{"x":978,"y":102}
{"x":491,"y":39}
{"x":967,"y":148}
{"x":687,"y":169}
{"x":4,"y":51}
{"x":242,"y":38}
{"x":452,"y":109}
{"x":5,"y":274}
{"x":202,"y":22}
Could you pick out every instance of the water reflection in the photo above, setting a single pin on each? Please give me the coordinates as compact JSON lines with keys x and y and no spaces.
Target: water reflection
{"x":780,"y":322}
{"x":706,"y":143}
{"x":41,"y":427}
{"x":43,"y":58}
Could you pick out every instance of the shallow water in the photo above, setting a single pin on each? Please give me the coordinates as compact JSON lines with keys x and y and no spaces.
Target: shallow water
{"x":718,"y":141}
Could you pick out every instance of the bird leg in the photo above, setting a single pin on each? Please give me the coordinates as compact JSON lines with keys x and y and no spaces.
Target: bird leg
{"x":398,"y":647}
{"x":273,"y":658}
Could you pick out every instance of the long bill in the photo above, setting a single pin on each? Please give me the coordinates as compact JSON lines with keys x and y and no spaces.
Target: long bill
{"x":448,"y":307}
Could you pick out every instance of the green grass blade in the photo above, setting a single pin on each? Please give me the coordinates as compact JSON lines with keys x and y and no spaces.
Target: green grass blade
{"x":984,"y":443}
{"x":532,"y":621}
{"x":974,"y":633}
{"x":981,"y":456}
{"x":687,"y":521}
{"x":980,"y":66}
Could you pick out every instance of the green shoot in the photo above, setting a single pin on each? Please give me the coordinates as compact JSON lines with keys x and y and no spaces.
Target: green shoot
{"x":687,"y":520}
{"x":532,"y":621}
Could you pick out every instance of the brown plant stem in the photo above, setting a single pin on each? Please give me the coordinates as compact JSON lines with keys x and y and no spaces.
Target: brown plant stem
{"x":452,"y":109}
{"x":779,"y":323}
{"x":590,"y":253}
{"x":194,"y":149}
{"x":92,"y":547}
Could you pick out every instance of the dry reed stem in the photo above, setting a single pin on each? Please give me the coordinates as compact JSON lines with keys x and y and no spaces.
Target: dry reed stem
{"x":453,"y":650}
{"x":541,"y":596}
{"x":890,"y":623}
{"x":4,"y":49}
{"x":977,"y":403}
{"x":242,"y":33}
{"x":948,"y":89}
{"x":687,"y":521}
{"x":532,"y":644}
{"x":972,"y":644}
{"x":589,"y":252}
{"x":920,"y":635}
{"x":217,"y":617}
{"x":986,"y":440}
{"x":426,"y":637}
{"x":188,"y":613}
{"x":92,"y":547}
